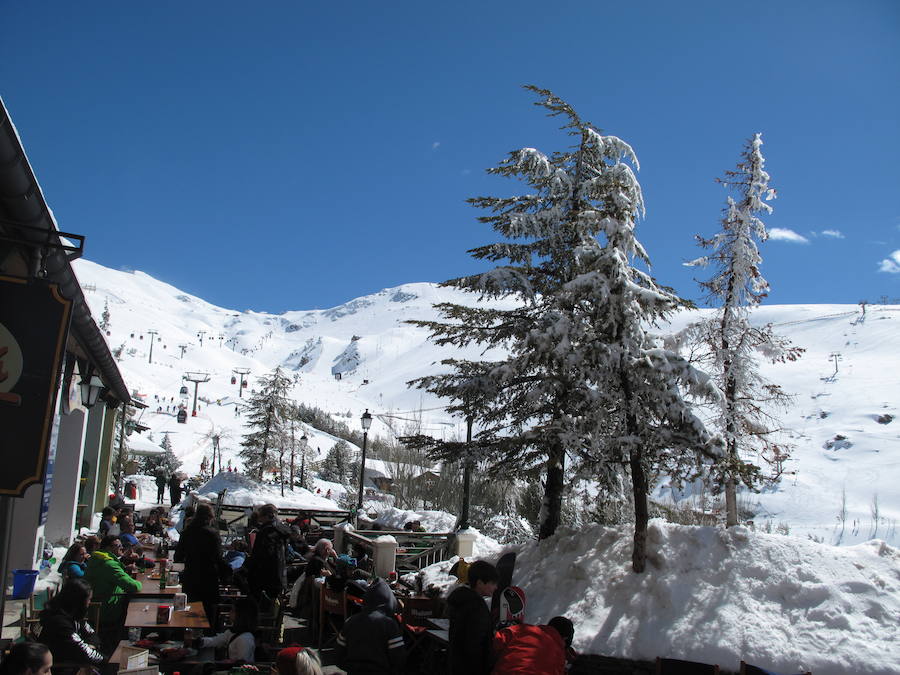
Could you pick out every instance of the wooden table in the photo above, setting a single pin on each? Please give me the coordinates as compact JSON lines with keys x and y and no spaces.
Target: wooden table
{"x":142,"y":614}
{"x":150,"y":587}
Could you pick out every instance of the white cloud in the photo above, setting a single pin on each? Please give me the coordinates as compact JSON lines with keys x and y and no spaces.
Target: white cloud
{"x":435,"y":145}
{"x":834,"y":234}
{"x":891,"y":264}
{"x":784,"y":234}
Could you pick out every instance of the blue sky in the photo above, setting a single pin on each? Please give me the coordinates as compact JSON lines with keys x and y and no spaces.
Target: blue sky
{"x":293,"y":155}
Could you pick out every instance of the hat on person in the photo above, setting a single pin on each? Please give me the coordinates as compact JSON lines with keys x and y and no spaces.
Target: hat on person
{"x":298,"y":661}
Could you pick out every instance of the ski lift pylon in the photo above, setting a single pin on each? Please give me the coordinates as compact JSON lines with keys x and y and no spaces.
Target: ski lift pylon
{"x":183,"y":391}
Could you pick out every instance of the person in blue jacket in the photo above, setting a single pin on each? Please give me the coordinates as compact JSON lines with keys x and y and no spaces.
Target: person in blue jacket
{"x":73,"y":565}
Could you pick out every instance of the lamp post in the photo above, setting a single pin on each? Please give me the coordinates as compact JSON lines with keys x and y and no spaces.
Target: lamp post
{"x":467,"y":478}
{"x":366,"y":423}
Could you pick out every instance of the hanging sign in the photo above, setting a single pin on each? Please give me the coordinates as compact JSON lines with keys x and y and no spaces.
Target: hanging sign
{"x":34,"y":324}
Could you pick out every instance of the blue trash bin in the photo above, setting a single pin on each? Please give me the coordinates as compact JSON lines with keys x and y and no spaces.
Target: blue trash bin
{"x":23,"y":583}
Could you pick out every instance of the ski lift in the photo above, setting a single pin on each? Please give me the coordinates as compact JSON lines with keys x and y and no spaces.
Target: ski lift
{"x":183,"y":391}
{"x":141,"y":337}
{"x":233,"y":380}
{"x":182,"y":416}
{"x":245,"y":384}
{"x":108,"y":333}
{"x":132,"y":335}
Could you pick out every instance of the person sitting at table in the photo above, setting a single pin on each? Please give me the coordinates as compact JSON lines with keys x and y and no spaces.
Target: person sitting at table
{"x":91,"y":543}
{"x":524,"y":648}
{"x":111,"y":585}
{"x":371,"y":641}
{"x":64,"y":627}
{"x":471,"y":628}
{"x":27,"y":658}
{"x":132,"y":557}
{"x":108,"y":525}
{"x":200,"y":549}
{"x":237,"y":554}
{"x":73,"y":565}
{"x":266,"y":564}
{"x":297,"y":661}
{"x":239,"y":639}
{"x":152,"y":525}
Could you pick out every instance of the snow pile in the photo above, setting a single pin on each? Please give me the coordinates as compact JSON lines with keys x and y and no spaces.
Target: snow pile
{"x":433,"y":521}
{"x":719,"y":596}
{"x":244,"y":491}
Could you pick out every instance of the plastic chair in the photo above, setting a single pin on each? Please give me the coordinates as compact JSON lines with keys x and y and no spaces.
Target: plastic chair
{"x":678,"y":667}
{"x":747,"y":669}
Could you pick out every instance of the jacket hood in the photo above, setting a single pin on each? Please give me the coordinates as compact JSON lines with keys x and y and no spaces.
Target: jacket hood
{"x":102,"y":556}
{"x":379,"y":596}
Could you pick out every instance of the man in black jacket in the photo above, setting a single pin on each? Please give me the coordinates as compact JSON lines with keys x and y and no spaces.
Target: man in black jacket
{"x":471,"y":627}
{"x":200,"y":549}
{"x":266,"y":566}
{"x":371,"y":642}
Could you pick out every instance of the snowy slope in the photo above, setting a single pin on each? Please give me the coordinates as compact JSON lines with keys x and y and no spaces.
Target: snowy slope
{"x":366,"y":341}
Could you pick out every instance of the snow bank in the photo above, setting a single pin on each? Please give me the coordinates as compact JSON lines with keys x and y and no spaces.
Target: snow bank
{"x":244,"y":491}
{"x":719,"y":596}
{"x":433,"y":521}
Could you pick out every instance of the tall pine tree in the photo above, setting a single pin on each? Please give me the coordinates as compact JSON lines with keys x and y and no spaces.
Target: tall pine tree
{"x":583,"y":378}
{"x":732,"y":346}
{"x":266,"y":412}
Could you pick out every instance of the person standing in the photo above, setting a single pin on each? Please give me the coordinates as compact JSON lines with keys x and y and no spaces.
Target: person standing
{"x":200,"y":549}
{"x":174,"y":489}
{"x":160,"y":485}
{"x":471,"y":627}
{"x":266,"y":565}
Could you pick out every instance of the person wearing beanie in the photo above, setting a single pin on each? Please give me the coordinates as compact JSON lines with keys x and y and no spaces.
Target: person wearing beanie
{"x":523,"y":649}
{"x":371,"y":642}
{"x":298,"y":661}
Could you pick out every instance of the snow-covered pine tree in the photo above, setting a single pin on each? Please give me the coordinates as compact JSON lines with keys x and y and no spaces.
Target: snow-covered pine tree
{"x":731,"y":346}
{"x":168,"y":461}
{"x":336,"y":467}
{"x":583,"y":377}
{"x":104,"y":316}
{"x":266,"y":411}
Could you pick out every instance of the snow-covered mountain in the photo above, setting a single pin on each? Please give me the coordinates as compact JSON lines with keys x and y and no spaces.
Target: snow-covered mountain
{"x":361,"y":354}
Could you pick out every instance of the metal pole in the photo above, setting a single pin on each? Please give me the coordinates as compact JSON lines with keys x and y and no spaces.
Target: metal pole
{"x":121,"y":462}
{"x":362,"y":473}
{"x":467,"y":478}
{"x":194,"y":411}
{"x":152,"y":334}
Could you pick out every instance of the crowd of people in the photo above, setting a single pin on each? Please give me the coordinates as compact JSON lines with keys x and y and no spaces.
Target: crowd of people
{"x":272,"y":563}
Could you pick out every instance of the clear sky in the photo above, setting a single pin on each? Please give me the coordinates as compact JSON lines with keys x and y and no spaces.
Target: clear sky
{"x":294,"y":155}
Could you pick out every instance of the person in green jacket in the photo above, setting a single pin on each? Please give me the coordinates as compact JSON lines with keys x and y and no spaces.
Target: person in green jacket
{"x":111,"y":585}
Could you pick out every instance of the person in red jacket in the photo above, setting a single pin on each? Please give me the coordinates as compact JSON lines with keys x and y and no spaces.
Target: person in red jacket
{"x":535,"y":650}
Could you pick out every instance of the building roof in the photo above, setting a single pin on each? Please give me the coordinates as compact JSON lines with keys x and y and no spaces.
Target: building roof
{"x":24,"y":214}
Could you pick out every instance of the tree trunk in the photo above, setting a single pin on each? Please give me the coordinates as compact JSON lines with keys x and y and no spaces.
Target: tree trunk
{"x":553,"y":491}
{"x":641,"y":511}
{"x":731,"y":512}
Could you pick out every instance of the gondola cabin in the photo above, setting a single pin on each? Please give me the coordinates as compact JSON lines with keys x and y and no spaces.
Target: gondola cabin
{"x":182,"y":416}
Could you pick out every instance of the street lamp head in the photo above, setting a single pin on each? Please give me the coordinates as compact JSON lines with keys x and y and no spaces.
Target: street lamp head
{"x":90,"y":390}
{"x":366,"y":420}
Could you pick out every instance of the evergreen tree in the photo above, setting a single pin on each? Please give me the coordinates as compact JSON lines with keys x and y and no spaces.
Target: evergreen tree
{"x":168,"y":462}
{"x":104,"y":316}
{"x":732,"y":346}
{"x":584,"y":377}
{"x":336,"y":467}
{"x":265,"y":415}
